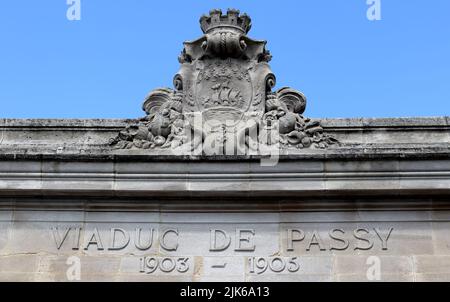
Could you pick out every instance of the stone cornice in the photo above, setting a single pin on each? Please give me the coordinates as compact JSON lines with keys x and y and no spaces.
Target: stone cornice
{"x":73,"y":158}
{"x":359,"y":137}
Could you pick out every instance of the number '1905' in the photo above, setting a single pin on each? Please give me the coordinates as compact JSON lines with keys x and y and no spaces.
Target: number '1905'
{"x":260,"y":265}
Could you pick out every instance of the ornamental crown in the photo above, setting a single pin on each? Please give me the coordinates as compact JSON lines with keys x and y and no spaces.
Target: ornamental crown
{"x":232,"y":19}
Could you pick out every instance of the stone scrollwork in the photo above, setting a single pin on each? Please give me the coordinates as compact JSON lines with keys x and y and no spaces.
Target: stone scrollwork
{"x":226,"y":82}
{"x":287,"y":106}
{"x":163,"y":123}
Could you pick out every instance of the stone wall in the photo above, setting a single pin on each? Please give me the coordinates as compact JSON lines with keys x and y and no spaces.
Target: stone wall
{"x":377,"y":203}
{"x":336,"y":245}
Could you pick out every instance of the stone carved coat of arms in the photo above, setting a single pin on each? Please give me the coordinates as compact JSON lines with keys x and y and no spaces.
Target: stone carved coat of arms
{"x":223,"y":101}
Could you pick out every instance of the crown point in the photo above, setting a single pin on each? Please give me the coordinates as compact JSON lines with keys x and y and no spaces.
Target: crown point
{"x":215,"y":12}
{"x":233,"y":11}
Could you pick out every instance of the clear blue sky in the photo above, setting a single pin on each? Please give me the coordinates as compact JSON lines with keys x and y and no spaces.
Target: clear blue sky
{"x":103,"y":65}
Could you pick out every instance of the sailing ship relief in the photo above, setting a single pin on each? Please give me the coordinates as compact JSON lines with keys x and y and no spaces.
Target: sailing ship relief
{"x":224,"y":90}
{"x":223,"y":95}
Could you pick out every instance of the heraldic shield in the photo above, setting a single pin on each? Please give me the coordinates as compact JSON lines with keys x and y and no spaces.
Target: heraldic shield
{"x":223,"y":102}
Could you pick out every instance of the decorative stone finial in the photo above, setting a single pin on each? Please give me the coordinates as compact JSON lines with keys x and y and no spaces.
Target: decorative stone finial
{"x":223,"y":99}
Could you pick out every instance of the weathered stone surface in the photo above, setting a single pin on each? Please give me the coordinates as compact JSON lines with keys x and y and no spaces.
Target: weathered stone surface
{"x":183,"y":250}
{"x":384,"y":278}
{"x":390,"y":266}
{"x":19,"y":263}
{"x":435,"y":264}
{"x":221,"y":269}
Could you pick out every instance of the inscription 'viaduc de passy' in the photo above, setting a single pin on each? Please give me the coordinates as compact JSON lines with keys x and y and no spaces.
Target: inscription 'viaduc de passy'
{"x":167,"y":251}
{"x":223,"y":101}
{"x":241,"y":240}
